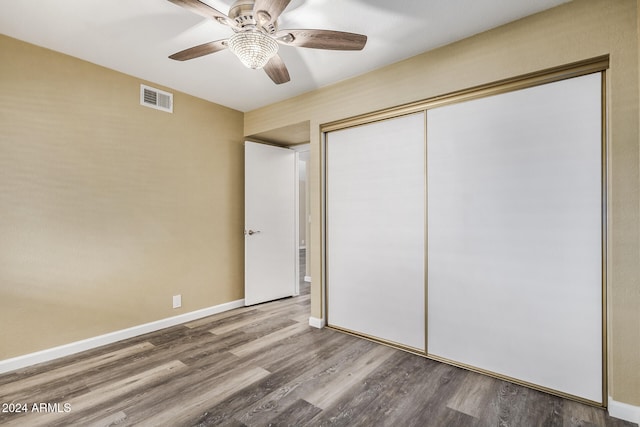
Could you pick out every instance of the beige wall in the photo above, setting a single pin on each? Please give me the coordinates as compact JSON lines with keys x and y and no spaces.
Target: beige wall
{"x":108,"y":208}
{"x":579,"y":30}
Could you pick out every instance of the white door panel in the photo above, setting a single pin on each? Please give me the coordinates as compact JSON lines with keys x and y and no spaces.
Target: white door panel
{"x":376,"y":230}
{"x":270,"y":221}
{"x":515,"y":240}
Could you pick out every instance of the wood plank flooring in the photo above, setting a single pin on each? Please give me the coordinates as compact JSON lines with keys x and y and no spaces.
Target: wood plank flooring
{"x":264,"y":366}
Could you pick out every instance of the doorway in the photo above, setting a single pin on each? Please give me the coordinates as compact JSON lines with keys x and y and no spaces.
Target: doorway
{"x":296,"y":138}
{"x":304,"y":219}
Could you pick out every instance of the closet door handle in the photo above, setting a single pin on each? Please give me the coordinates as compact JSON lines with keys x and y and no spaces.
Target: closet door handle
{"x":252,"y":232}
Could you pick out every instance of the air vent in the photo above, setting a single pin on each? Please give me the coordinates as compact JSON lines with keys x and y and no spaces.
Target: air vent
{"x":155,"y":98}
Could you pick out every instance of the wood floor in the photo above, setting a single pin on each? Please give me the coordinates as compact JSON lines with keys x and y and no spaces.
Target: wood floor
{"x":263,"y":365}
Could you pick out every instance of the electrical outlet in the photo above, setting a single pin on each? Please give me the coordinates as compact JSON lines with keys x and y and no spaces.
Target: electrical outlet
{"x":177,"y":301}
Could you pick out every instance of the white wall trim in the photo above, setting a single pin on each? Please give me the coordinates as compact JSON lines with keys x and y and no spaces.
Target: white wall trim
{"x":624,"y":411}
{"x":90,"y":343}
{"x":316,"y":322}
{"x":307,"y":279}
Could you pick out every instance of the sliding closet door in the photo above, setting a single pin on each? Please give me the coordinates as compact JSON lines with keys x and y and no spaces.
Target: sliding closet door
{"x":375,"y":235}
{"x":515,"y":235}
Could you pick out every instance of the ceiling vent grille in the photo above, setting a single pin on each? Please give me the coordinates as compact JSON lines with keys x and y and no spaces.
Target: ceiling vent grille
{"x":156,"y":98}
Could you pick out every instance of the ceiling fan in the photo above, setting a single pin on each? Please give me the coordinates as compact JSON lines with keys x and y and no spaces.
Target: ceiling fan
{"x":256,"y":35}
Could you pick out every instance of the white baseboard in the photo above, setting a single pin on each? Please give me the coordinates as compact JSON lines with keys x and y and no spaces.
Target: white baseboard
{"x":624,"y":411}
{"x":90,"y":343}
{"x":307,"y":279}
{"x":316,"y":323}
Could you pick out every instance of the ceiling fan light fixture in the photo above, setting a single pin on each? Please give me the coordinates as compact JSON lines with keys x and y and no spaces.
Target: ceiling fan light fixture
{"x":253,"y":48}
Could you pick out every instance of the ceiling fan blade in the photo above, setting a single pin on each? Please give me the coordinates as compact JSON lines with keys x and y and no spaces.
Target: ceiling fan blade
{"x":276,"y":70}
{"x":200,"y":50}
{"x":322,"y":39}
{"x":203,"y":9}
{"x":273,"y":8}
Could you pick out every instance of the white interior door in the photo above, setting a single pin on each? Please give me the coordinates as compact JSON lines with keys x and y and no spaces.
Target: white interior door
{"x":270,"y":223}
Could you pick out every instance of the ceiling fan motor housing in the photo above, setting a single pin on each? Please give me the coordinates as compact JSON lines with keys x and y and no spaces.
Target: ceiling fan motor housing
{"x":245,"y":17}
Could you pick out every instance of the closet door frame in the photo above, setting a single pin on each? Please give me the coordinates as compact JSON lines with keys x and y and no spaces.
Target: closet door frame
{"x":590,"y":66}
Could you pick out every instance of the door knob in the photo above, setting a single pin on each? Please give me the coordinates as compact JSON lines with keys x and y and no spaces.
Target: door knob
{"x":252,"y":232}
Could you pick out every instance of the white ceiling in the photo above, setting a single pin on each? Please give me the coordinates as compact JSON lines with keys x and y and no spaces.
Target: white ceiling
{"x":136,"y":37}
